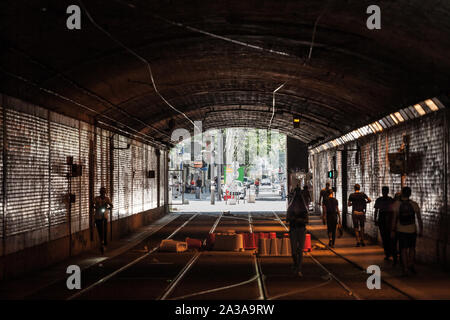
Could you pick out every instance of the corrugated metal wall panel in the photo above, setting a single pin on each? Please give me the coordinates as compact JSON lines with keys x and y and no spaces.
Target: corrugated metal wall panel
{"x":116,"y":174}
{"x":148,"y":182}
{"x":64,"y":143}
{"x":154,"y":181}
{"x":162,"y":175}
{"x":27,"y":177}
{"x":1,"y":169}
{"x":86,"y":134}
{"x":39,"y":142}
{"x":125,"y":178}
{"x":138,"y":179}
{"x":102,"y":153}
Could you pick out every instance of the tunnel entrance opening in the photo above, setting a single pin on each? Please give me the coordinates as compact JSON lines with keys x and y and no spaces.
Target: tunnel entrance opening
{"x":232,"y":169}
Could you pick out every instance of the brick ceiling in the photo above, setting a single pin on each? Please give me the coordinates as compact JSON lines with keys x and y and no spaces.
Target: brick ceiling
{"x":354,"y":75}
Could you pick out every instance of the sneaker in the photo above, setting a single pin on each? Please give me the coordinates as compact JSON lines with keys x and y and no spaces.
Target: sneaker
{"x":330,"y":243}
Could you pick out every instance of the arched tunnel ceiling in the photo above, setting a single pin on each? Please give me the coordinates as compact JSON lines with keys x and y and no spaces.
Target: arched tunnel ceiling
{"x":354,"y":75}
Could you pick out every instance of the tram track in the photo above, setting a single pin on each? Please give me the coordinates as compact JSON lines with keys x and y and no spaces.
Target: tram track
{"x":332,"y":274}
{"x":185,"y":265}
{"x":128,"y":265}
{"x":57,"y":289}
{"x":257,"y":277}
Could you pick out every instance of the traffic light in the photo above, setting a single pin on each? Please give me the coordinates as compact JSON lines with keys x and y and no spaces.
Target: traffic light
{"x":332,"y":174}
{"x":296,"y":122}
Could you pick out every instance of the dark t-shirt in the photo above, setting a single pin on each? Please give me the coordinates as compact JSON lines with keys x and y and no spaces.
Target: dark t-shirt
{"x":331,"y":205}
{"x":324,"y":194}
{"x":384,"y":205}
{"x":297,"y":209}
{"x":306,"y":196}
{"x":358,"y":200}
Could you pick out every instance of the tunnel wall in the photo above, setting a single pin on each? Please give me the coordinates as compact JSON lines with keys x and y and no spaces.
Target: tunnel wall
{"x":34,"y":212}
{"x":428,"y":145}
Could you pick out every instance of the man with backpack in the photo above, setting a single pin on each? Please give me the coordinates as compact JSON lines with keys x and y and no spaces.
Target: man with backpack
{"x":383,"y":219}
{"x":323,"y":196}
{"x":333,"y":217}
{"x":358,"y":201}
{"x":297,"y":216}
{"x":405,"y":212}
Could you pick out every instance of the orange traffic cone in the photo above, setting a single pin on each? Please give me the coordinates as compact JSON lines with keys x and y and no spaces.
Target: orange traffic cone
{"x":249,"y":241}
{"x":286,"y":246}
{"x":274,"y":247}
{"x":262,"y":250}
{"x":307,"y":246}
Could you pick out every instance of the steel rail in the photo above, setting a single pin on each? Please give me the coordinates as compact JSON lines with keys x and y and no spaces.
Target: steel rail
{"x":168,"y":291}
{"x":257,"y":275}
{"x":111,"y":275}
{"x":360,"y":268}
{"x":340,"y":282}
{"x":261,"y":283}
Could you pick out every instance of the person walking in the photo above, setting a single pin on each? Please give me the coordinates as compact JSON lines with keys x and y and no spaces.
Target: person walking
{"x":198,"y":189}
{"x":102,"y":206}
{"x":297,"y":216}
{"x":383,"y":219}
{"x":405,"y":212}
{"x":395,"y":249}
{"x":358,"y":201}
{"x":333,"y":217}
{"x":322,"y":198}
{"x":306,"y":195}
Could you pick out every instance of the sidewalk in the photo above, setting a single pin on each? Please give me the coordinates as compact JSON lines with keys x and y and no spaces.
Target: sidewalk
{"x":30,"y":283}
{"x":266,"y":201}
{"x":430,"y":283}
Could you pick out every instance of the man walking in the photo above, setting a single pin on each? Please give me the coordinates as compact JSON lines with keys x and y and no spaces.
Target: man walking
{"x":322,"y":199}
{"x":102,"y":205}
{"x":297,"y":216}
{"x":405,"y":212}
{"x":333,"y":218}
{"x":358,"y":201}
{"x":383,"y":219}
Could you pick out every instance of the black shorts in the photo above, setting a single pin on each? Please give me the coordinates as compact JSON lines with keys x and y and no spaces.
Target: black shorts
{"x":358,"y":220}
{"x":407,"y":240}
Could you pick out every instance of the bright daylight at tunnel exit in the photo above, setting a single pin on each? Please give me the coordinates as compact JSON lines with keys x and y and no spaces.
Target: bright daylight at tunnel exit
{"x":233,"y":158}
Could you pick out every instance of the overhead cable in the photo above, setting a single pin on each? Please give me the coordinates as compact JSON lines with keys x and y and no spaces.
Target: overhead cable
{"x":132,"y":52}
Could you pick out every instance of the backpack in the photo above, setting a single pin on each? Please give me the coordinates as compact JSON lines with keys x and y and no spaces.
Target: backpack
{"x":406,"y":214}
{"x":297,"y":211}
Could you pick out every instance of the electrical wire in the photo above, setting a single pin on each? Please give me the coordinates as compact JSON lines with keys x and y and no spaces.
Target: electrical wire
{"x":145,"y":61}
{"x":143,"y":136}
{"x":212,"y":35}
{"x":273,"y":103}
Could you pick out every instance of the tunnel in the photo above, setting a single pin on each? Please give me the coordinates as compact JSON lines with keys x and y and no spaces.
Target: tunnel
{"x":100,"y":94}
